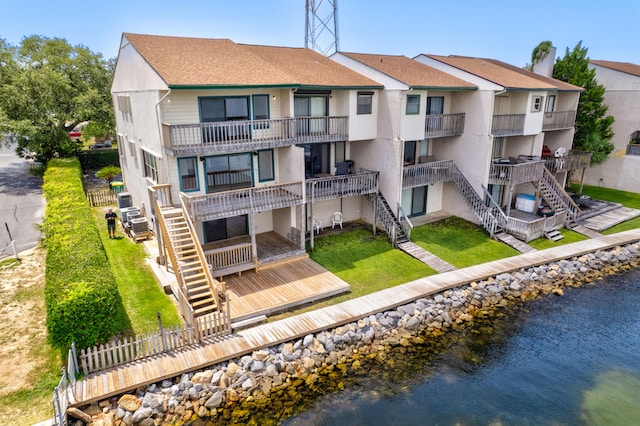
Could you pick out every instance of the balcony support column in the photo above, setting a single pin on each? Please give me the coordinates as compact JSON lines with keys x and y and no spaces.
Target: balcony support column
{"x":254,"y":245}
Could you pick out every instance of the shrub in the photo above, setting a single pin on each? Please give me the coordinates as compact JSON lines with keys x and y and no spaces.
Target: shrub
{"x":81,"y":295}
{"x":98,"y":158}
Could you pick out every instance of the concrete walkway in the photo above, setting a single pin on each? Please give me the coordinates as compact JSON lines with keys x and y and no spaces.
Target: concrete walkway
{"x":128,"y":377}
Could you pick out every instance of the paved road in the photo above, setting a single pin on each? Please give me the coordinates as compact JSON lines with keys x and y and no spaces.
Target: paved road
{"x":21,"y":203}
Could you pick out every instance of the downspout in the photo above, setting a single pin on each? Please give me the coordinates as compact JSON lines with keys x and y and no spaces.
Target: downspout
{"x":161,"y":246}
{"x":402,"y":141}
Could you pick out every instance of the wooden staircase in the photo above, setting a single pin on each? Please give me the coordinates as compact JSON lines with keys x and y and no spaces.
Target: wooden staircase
{"x":197,"y":286}
{"x":389,"y":221}
{"x":488,"y":215}
{"x":553,"y":234}
{"x":557,"y":198}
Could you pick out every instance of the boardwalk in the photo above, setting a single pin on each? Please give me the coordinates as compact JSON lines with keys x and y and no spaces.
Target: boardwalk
{"x":126,"y":378}
{"x":426,"y":257}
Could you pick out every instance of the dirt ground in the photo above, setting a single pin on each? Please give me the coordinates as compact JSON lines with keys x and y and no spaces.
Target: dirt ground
{"x":22,"y":315}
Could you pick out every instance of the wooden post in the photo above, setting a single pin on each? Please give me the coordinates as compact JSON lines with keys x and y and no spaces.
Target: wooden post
{"x":162,"y":335}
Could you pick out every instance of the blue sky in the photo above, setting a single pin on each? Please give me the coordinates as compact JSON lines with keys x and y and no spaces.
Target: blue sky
{"x":507,"y":30}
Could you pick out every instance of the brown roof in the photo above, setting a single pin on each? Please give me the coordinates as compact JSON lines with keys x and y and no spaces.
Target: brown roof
{"x":410,"y":72}
{"x":508,"y":76}
{"x":184,"y":61}
{"x":624,"y":67}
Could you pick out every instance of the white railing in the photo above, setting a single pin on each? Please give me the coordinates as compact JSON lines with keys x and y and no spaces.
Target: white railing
{"x":573,"y":161}
{"x":508,"y":125}
{"x":218,"y":205}
{"x":442,"y":125}
{"x":423,"y":174}
{"x":558,"y":120}
{"x":530,"y":230}
{"x":513,"y":174}
{"x":331,"y":187}
{"x":405,"y":222}
{"x":633,"y":149}
{"x":248,"y":135}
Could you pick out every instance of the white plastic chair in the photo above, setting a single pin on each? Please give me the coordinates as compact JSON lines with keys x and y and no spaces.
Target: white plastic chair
{"x":317,"y":225}
{"x":336,"y":219}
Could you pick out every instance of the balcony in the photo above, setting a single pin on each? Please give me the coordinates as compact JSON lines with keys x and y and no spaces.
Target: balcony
{"x":417,"y":175}
{"x":219,"y":205}
{"x":443,"y":125}
{"x":573,"y":161}
{"x":558,"y":120}
{"x":333,"y":187}
{"x":508,"y":125}
{"x":250,"y":135}
{"x":509,"y":173}
{"x":633,"y":149}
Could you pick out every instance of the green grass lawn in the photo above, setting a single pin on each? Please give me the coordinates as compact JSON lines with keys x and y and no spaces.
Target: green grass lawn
{"x":367,"y":263}
{"x":569,"y":237}
{"x":459,"y":242}
{"x":141,"y":294}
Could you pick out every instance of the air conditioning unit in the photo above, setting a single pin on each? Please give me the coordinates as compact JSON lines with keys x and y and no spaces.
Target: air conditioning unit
{"x":124,"y":200}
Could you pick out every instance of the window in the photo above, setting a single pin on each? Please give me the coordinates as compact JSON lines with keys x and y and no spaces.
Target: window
{"x":496,"y":150}
{"x":409,"y":153}
{"x":260,"y":107}
{"x":340,"y":152}
{"x":222,"y":229}
{"x":365,"y":102}
{"x":551,"y":103}
{"x":216,"y":110}
{"x":188,"y":170}
{"x":536,"y":104}
{"x":316,"y":159}
{"x":413,"y":104}
{"x":132,"y":147}
{"x":418,"y":201}
{"x":311,"y":109}
{"x":227,"y":172}
{"x":124,"y":106}
{"x":150,"y":166}
{"x":265,"y":165}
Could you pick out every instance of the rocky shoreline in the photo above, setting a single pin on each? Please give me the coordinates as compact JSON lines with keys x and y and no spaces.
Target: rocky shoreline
{"x":276,"y":378}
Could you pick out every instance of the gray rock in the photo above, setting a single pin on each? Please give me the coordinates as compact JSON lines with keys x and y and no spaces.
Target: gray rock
{"x":308,"y":340}
{"x":141,"y":414}
{"x":215,"y":401}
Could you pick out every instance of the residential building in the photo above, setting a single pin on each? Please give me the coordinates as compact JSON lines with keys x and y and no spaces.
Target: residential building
{"x":242,"y":137}
{"x":523,"y":122}
{"x":622,"y":96}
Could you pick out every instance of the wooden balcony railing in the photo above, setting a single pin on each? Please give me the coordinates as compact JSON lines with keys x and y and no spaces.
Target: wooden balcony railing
{"x":530,"y":230}
{"x":574,"y":161}
{"x":219,"y":205}
{"x":231,"y":259}
{"x":513,"y":174}
{"x":633,"y":149}
{"x":332,"y":187}
{"x":249,"y":135}
{"x":558,"y":120}
{"x":423,"y":174}
{"x":508,"y":125}
{"x":443,"y":125}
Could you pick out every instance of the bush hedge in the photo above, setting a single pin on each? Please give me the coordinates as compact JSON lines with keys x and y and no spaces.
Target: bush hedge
{"x":96,"y":159}
{"x":81,"y":295}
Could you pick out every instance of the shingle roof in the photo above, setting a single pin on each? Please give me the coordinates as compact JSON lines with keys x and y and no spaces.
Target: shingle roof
{"x":184,"y":61}
{"x":410,"y":72}
{"x":625,"y":67}
{"x":504,"y":74}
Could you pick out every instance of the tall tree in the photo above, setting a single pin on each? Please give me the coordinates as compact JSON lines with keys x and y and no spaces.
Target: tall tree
{"x":47,"y":88}
{"x":593,"y":126}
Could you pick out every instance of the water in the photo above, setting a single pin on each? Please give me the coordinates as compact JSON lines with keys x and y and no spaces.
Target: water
{"x":571,"y":360}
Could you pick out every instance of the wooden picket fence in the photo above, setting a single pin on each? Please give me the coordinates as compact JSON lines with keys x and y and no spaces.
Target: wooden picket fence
{"x":103,"y":197}
{"x":125,"y":350}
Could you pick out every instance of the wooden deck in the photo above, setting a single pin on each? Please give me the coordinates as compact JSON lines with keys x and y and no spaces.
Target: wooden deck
{"x":126,"y":378}
{"x":280,"y":287}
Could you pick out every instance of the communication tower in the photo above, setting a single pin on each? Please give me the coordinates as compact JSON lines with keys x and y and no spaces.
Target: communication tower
{"x":322,"y":26}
